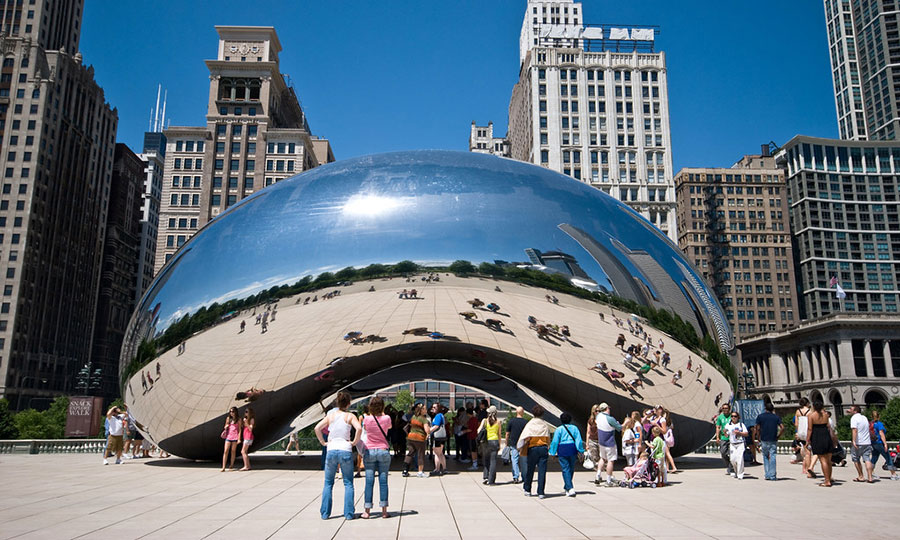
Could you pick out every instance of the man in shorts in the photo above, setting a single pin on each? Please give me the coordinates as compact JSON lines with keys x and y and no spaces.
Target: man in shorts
{"x":606,"y":439}
{"x":115,"y":444}
{"x":861,"y":448}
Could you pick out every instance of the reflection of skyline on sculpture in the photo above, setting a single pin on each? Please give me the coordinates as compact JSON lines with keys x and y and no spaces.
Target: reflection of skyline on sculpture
{"x":380,"y":196}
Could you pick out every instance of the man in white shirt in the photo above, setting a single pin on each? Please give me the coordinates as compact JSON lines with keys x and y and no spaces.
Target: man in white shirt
{"x":862,"y":445}
{"x":115,"y":444}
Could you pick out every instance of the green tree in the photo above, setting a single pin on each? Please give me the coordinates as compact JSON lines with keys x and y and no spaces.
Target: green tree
{"x":843,"y":429}
{"x":461,"y":267}
{"x":405,"y":267}
{"x":373,"y":270}
{"x":324,"y":277}
{"x":490,"y":269}
{"x":31,"y":424}
{"x":403,"y":400}
{"x":789,"y":430}
{"x":56,"y":417}
{"x":346,"y":273}
{"x":8,"y":428}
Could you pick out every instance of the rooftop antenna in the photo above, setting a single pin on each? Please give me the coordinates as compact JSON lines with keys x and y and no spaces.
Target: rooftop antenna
{"x":163,"y":121}
{"x":156,"y":109}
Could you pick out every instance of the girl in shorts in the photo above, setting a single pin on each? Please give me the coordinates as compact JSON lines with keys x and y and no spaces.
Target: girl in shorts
{"x":232,"y":434}
{"x":249,"y":424}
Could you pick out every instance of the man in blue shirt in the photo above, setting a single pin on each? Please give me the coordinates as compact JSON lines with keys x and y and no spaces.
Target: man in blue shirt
{"x":767,"y":430}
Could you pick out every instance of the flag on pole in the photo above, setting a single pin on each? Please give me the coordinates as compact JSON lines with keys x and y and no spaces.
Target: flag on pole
{"x":833,"y":282}
{"x":839,"y":293}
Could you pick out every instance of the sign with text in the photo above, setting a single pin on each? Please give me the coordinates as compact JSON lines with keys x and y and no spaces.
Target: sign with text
{"x":83,"y":418}
{"x":749,"y":409}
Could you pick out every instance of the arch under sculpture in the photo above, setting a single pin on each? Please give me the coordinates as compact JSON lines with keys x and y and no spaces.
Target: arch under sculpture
{"x":517,"y":270}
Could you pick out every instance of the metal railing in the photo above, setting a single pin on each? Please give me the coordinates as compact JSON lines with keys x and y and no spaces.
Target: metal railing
{"x":52,"y":446}
{"x":782,"y":447}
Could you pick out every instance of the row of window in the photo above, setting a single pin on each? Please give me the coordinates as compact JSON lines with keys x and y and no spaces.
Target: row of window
{"x":182,"y":223}
{"x":189,"y":146}
{"x":598,"y":74}
{"x":188,"y":163}
{"x":237,"y":130}
{"x":184,"y":199}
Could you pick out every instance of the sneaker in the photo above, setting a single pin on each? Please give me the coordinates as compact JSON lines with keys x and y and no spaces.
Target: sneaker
{"x":465,"y":460}
{"x":611,"y":482}
{"x":105,"y":461}
{"x":420,"y":475}
{"x":570,"y":493}
{"x":733,"y":475}
{"x":287,"y":452}
{"x":473,"y":467}
{"x":405,"y":473}
{"x":527,"y":493}
{"x":598,"y":481}
{"x":542,"y":497}
{"x":118,"y":461}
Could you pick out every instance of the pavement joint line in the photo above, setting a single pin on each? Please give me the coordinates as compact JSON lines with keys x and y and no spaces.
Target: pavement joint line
{"x":196,"y":512}
{"x":502,"y":513}
{"x":297,"y":513}
{"x":450,"y":506}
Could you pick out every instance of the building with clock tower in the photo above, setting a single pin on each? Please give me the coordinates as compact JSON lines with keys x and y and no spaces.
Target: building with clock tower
{"x":256,"y":134}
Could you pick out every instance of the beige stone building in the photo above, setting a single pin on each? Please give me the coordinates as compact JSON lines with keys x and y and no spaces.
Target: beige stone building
{"x":733,"y":223}
{"x":592,"y":102}
{"x":57,"y":143}
{"x":256,"y":134}
{"x":482,"y":141}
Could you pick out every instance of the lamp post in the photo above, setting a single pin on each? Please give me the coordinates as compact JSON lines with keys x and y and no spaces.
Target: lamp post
{"x":22,"y":386}
{"x":87,"y":378}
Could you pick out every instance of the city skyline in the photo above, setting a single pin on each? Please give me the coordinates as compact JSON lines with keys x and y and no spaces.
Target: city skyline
{"x":725,"y":101}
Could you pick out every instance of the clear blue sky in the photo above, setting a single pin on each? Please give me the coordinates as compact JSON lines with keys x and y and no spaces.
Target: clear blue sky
{"x":383,"y":76}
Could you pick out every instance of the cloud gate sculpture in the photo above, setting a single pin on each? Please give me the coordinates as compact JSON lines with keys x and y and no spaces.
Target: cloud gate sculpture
{"x":524,"y":280}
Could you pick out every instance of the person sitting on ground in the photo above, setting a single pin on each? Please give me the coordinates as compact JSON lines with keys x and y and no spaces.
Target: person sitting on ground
{"x":676,"y":377}
{"x":614,"y":374}
{"x":413,"y":293}
{"x":600,"y":367}
{"x":495,"y":324}
{"x":620,"y":341}
{"x":634,"y":384}
{"x":475,"y":303}
{"x":469,"y":315}
{"x":492,"y":307}
{"x":645,"y":369}
{"x":419,"y":331}
{"x":532,"y":322}
{"x":250,"y":395}
{"x":404,"y":294}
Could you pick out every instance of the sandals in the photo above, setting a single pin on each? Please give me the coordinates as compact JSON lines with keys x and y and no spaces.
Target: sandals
{"x":365,"y":515}
{"x":823,"y":484}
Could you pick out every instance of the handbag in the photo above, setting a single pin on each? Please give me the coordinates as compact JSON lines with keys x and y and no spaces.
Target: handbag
{"x":580,"y":454}
{"x":588,"y":464}
{"x":506,"y":454}
{"x":441,"y":432}
{"x":670,"y":438}
{"x":224,"y":433}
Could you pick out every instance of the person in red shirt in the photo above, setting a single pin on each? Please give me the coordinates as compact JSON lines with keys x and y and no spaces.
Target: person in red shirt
{"x":471,"y":434}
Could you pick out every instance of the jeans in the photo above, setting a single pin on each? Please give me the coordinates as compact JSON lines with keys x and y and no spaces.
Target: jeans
{"x":344,"y":460}
{"x":567,"y":464}
{"x":878,"y":450}
{"x":381,"y":460}
{"x":768,"y":452}
{"x":324,"y":451}
{"x":514,"y":459}
{"x":724,"y":451}
{"x":537,"y":459}
{"x":490,"y":461}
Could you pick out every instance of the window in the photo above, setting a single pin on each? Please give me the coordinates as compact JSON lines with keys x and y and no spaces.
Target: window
{"x":231,"y":200}
{"x":235,"y":164}
{"x":217,"y":182}
{"x":248,"y":182}
{"x":216,"y":200}
{"x":175,"y":181}
{"x":236,"y":148}
{"x":250,"y":165}
{"x":233,"y":182}
{"x":251,"y":148}
{"x":174,"y":200}
{"x":251,"y":131}
{"x":236,"y":131}
{"x":220,"y":164}
{"x":220,"y":148}
{"x":220,"y":130}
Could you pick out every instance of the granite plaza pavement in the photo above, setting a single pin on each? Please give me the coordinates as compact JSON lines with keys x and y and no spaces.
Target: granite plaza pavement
{"x":74,"y":496}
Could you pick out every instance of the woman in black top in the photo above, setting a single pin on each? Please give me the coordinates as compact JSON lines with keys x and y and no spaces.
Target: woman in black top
{"x":821,"y":439}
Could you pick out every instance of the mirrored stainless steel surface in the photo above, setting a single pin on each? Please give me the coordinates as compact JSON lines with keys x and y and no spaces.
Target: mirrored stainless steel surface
{"x":282,"y":261}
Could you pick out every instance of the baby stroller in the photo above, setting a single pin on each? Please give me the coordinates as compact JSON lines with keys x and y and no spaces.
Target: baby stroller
{"x":647,"y":475}
{"x":839,"y":456}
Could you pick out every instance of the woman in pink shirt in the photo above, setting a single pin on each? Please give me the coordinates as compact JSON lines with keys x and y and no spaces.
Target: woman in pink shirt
{"x":232,"y":435}
{"x":377,"y":455}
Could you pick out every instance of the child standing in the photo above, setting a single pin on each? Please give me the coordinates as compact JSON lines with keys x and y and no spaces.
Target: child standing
{"x":658,"y":452}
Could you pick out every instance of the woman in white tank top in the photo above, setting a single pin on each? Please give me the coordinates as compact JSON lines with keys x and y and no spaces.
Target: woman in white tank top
{"x":338,"y":422}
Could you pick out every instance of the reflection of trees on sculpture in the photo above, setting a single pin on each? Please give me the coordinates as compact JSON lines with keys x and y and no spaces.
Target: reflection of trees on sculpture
{"x":216,"y":313}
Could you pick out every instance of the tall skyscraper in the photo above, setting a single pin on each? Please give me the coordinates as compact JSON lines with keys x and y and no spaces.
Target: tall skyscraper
{"x":592,"y":103}
{"x":256,"y":134}
{"x":57,"y":142}
{"x":119,"y":276}
{"x":733,"y":223}
{"x":864,"y":48}
{"x":153,"y":156}
{"x":845,"y":218}
{"x":848,"y":97}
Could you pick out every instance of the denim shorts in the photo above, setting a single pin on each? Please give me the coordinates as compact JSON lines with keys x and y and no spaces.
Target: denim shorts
{"x":861,"y":452}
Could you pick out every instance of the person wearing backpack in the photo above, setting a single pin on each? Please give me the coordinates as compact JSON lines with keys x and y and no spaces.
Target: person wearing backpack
{"x":737,"y":432}
{"x":879,"y":445}
{"x":566,"y":446}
